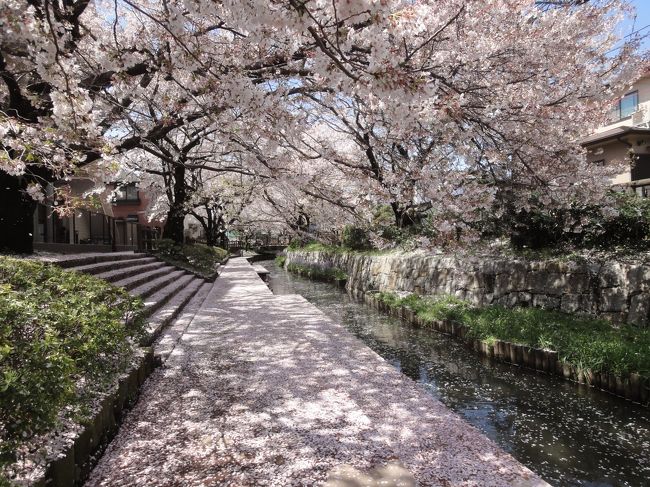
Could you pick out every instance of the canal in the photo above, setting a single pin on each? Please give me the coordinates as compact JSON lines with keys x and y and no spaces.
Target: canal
{"x":570,"y":435}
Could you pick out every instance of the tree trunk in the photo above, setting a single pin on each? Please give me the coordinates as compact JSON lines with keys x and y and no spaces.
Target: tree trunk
{"x":210,"y":234}
{"x":175,"y":225}
{"x":404,"y":218}
{"x":398,"y":213}
{"x":16,"y":215}
{"x":211,"y":239}
{"x":212,"y":225}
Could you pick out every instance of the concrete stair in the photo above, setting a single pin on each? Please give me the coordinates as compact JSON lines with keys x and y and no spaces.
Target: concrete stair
{"x":136,"y":280}
{"x":118,"y":275}
{"x":118,"y":265}
{"x":76,"y":260}
{"x":164,"y":289}
{"x":168,"y":313}
{"x":165,"y":343}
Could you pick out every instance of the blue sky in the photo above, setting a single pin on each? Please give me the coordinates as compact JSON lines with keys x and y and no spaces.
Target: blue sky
{"x":642,"y":20}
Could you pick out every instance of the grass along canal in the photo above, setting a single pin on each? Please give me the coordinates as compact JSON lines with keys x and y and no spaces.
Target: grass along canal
{"x":570,"y":435}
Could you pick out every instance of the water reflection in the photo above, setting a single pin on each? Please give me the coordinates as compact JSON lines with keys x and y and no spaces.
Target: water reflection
{"x":567,"y":434}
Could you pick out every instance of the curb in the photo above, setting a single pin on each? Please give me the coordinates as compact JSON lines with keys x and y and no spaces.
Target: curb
{"x":73,"y":465}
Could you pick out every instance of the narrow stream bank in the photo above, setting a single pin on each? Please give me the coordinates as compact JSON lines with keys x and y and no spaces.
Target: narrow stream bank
{"x":570,"y":435}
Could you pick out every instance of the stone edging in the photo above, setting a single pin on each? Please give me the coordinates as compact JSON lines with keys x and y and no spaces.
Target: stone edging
{"x":73,"y":465}
{"x":634,"y":387}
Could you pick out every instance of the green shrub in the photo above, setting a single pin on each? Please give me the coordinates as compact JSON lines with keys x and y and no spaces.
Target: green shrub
{"x":355,"y":238}
{"x":586,"y":227}
{"x":297,"y":243}
{"x":203,"y":256}
{"x":197,"y":257}
{"x":63,"y":336}
{"x":280,"y":260}
{"x":166,"y":246}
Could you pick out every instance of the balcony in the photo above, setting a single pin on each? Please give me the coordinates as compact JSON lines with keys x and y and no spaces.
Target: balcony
{"x":641,"y":118}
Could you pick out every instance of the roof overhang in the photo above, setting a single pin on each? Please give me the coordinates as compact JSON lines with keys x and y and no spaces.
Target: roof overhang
{"x":613,"y":135}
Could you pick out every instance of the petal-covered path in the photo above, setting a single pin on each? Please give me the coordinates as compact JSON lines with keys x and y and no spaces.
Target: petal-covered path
{"x":265,"y":390}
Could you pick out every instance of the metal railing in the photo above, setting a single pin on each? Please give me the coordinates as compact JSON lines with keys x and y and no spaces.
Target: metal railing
{"x":249,"y":243}
{"x":639,"y":186}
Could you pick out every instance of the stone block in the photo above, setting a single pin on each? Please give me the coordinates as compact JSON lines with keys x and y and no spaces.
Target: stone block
{"x":440,"y":277}
{"x":474,"y":297}
{"x":487,"y":299}
{"x":488,"y":282}
{"x":556,"y":267}
{"x":493,"y":266}
{"x":460,"y":293}
{"x":613,"y":300}
{"x":611,"y":275}
{"x":468,"y":280}
{"x":577,"y":283}
{"x":511,"y":300}
{"x":613,"y":317}
{"x":510,"y":282}
{"x":545,"y":301}
{"x":546,"y":283}
{"x":576,"y":303}
{"x":638,"y":278}
{"x":639,"y":309}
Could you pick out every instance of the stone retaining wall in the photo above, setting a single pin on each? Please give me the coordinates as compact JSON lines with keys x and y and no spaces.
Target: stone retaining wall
{"x":614,"y":290}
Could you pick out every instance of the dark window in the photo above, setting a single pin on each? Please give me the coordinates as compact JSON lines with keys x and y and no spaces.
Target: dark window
{"x":132,"y":218}
{"x":127,"y":193}
{"x":628,"y":105}
{"x":641,"y":167}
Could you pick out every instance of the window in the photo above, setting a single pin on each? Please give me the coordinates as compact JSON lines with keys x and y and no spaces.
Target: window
{"x":628,"y":105}
{"x":127,"y":193}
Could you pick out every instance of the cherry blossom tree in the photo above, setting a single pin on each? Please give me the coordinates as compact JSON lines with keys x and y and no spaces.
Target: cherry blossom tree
{"x":461,"y":101}
{"x":482,"y":121}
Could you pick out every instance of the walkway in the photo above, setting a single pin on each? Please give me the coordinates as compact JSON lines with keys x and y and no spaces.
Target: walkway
{"x":265,"y":390}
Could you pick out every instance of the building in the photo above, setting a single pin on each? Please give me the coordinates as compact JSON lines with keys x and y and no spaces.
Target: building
{"x":95,"y":224}
{"x":626,"y":138}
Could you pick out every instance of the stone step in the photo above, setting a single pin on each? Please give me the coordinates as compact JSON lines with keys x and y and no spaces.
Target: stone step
{"x":167,"y":341}
{"x":76,"y":260}
{"x":177,"y":306}
{"x":156,"y":300}
{"x":138,"y":279}
{"x":121,"y":274}
{"x":154,"y":285}
{"x":112,"y":265}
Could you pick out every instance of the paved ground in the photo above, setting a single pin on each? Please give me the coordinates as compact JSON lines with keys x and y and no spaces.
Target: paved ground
{"x":265,"y":390}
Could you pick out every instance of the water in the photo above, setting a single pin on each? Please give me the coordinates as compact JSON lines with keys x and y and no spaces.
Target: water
{"x":570,"y":435}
